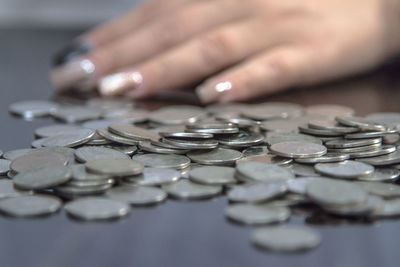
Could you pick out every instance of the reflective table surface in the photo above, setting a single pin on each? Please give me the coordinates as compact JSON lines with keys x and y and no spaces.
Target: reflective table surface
{"x":176,"y":233}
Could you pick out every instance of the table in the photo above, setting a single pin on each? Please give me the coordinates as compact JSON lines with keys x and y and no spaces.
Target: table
{"x":175,"y":233}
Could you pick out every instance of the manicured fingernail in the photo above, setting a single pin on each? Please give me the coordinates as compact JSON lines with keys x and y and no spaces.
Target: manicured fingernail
{"x":211,"y":92}
{"x":77,"y":48}
{"x":78,"y":73}
{"x":119,"y":83}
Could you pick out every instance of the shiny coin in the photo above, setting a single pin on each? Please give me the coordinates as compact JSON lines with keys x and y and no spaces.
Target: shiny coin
{"x":97,"y":124}
{"x":302,"y":170}
{"x":149,"y":147}
{"x":72,"y":114}
{"x":298,"y":149}
{"x":371,"y":204}
{"x":381,"y":175}
{"x":385,"y":190}
{"x":66,"y":151}
{"x":319,"y":132}
{"x":128,"y":116}
{"x":41,"y":178}
{"x":163,"y":161}
{"x":330,"y":192}
{"x":89,"y":183}
{"x":384,"y":150}
{"x":331,"y":125}
{"x":79,"y":137}
{"x":270,"y":159}
{"x":256,"y":215}
{"x":213,"y":128}
{"x":218,"y":156}
{"x":13,"y":154}
{"x":344,"y":143}
{"x":87,"y":153}
{"x":358,"y":149}
{"x":33,"y":108}
{"x":185,"y":189}
{"x":347,"y":169}
{"x":70,"y":191}
{"x":115,"y":167}
{"x":4,"y":166}
{"x":126,"y":149}
{"x":298,"y":185}
{"x":289,"y":137}
{"x":389,"y":159}
{"x":133,"y":132}
{"x":390,"y":208}
{"x":179,"y":135}
{"x":370,"y":134}
{"x":262,"y":172}
{"x":30,"y":206}
{"x":268,"y":111}
{"x":255,"y":151}
{"x":116,"y":138}
{"x":286,"y":238}
{"x":137,"y":195}
{"x":213,"y":175}
{"x":361,"y":123}
{"x":242,"y":139}
{"x":7,"y":189}
{"x":281,"y":126}
{"x":79,"y":173}
{"x":38,"y":160}
{"x":327,"y":158}
{"x":175,"y":115}
{"x":38,"y":143}
{"x":391,"y":119}
{"x":155,"y":177}
{"x":256,"y":192}
{"x":191,"y":144}
{"x":57,"y":129}
{"x":329,"y":110}
{"x":96,"y":208}
{"x":97,"y":140}
{"x":110,"y":103}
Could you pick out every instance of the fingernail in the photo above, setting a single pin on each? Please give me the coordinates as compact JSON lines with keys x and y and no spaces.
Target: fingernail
{"x":119,"y":83}
{"x":211,"y":92}
{"x":75,"y":49}
{"x":78,"y":73}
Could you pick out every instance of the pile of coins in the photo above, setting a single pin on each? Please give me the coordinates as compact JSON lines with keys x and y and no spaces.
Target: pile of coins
{"x":269,"y":159}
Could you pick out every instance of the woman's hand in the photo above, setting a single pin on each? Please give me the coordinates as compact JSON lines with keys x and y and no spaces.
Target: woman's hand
{"x":239,"y":49}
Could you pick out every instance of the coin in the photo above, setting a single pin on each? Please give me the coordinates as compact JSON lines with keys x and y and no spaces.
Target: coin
{"x":213,"y":175}
{"x":347,"y":169}
{"x":163,"y":161}
{"x":331,"y":125}
{"x":288,"y":137}
{"x":13,"y":154}
{"x":79,"y":173}
{"x":358,"y":149}
{"x":329,"y":110}
{"x":381,"y":175}
{"x":137,"y":195}
{"x":173,"y":115}
{"x":97,"y":124}
{"x":281,"y":126}
{"x":285,"y":238}
{"x":37,"y":160}
{"x":116,"y":138}
{"x":212,"y":128}
{"x":191,"y":144}
{"x":256,"y":214}
{"x":149,"y":147}
{"x":133,"y":132}
{"x":385,"y":190}
{"x":256,"y":192}
{"x":96,"y":208}
{"x":268,"y":111}
{"x":299,"y":185}
{"x":390,"y":208}
{"x":87,"y":153}
{"x":319,"y":132}
{"x":362,"y":123}
{"x":115,"y":167}
{"x":70,"y":191}
{"x":8,"y":190}
{"x":218,"y":156}
{"x":186,"y":190}
{"x":41,"y":178}
{"x":4,"y":166}
{"x":128,"y":116}
{"x":56,"y":129}
{"x":180,"y":135}
{"x":370,"y":134}
{"x":255,"y":151}
{"x":335,"y":193}
{"x":391,"y":119}
{"x":33,"y":108}
{"x":79,"y":137}
{"x":389,"y":159}
{"x":344,"y":143}
{"x":262,"y":172}
{"x":370,"y":205}
{"x":384,"y":150}
{"x":302,"y":170}
{"x":30,"y":206}
{"x":298,"y":149}
{"x":327,"y":158}
{"x":242,"y":139}
{"x":73,"y":114}
{"x":155,"y":177}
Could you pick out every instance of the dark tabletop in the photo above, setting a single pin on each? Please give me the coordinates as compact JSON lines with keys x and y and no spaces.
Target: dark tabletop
{"x":176,"y":233}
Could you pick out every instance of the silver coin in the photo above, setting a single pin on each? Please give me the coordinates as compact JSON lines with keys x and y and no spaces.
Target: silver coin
{"x":327,"y":158}
{"x":38,"y":160}
{"x":57,"y":129}
{"x":302,"y":170}
{"x":42,"y":178}
{"x":256,"y":214}
{"x":389,"y":159}
{"x":319,"y":132}
{"x":213,"y":175}
{"x":128,"y":116}
{"x":347,"y":169}
{"x":385,"y":190}
{"x":370,"y":205}
{"x":115,"y":167}
{"x":137,"y":195}
{"x":270,"y":159}
{"x":191,"y":144}
{"x":298,"y":149}
{"x":33,"y":108}
{"x":184,"y":135}
{"x":329,"y":192}
{"x":90,"y":183}
{"x":384,"y":150}
{"x":268,"y":111}
{"x":362,"y":123}
{"x":4,"y":166}
{"x":166,"y":145}
{"x":391,"y":119}
{"x":126,"y":149}
{"x":73,"y":114}
{"x":87,"y":153}
{"x":220,"y":131}
{"x":96,"y":208}
{"x":263,"y":172}
{"x":186,"y":190}
{"x":163,"y":161}
{"x":149,"y":147}
{"x":390,"y":208}
{"x":344,"y":143}
{"x":288,"y":137}
{"x":110,"y":103}
{"x":298,"y":185}
{"x":256,"y":192}
{"x":133,"y":132}
{"x":218,"y":156}
{"x":281,"y":126}
{"x":242,"y":139}
{"x":30,"y":206}
{"x":66,"y":151}
{"x":77,"y":138}
{"x":331,"y":125}
{"x":330,"y":110}
{"x":285,"y":238}
{"x":97,"y":124}
{"x":255,"y":151}
{"x":98,"y":140}
{"x":370,"y":134}
{"x":13,"y":154}
{"x":116,"y":138}
{"x":38,"y":143}
{"x":79,"y":173}
{"x":287,"y":200}
{"x":381,"y":175}
{"x":8,"y":190}
{"x":358,"y":149}
{"x":237,"y":121}
{"x":71,"y":191}
{"x":155,"y":177}
{"x":175,"y":115}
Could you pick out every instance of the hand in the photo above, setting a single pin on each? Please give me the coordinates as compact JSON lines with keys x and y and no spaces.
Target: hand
{"x":239,"y":49}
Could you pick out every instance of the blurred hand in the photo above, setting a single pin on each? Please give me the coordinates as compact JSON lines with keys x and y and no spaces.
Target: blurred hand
{"x":239,"y":49}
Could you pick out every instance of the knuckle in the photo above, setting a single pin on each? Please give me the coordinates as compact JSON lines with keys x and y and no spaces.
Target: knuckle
{"x":216,"y":47}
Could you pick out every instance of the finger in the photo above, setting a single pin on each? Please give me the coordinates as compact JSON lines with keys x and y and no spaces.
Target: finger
{"x":193,"y":60}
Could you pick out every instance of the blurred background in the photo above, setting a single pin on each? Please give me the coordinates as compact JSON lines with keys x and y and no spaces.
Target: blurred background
{"x":66,"y":14}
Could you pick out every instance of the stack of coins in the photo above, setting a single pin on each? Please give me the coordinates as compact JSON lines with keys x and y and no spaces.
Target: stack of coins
{"x":270,"y":160}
